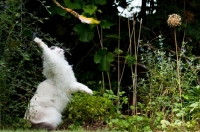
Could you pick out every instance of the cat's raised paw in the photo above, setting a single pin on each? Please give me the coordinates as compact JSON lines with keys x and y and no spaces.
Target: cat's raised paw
{"x":37,"y":40}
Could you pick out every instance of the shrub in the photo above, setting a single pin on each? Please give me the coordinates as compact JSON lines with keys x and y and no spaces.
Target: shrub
{"x":91,"y":109}
{"x":20,"y":63}
{"x":159,"y":93}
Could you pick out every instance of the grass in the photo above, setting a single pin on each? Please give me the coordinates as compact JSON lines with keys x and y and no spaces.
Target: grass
{"x":80,"y":130}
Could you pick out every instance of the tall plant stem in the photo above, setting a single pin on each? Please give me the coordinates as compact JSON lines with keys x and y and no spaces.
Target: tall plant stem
{"x":184,"y":34}
{"x":178,"y":71}
{"x":101,"y":42}
{"x":133,"y":73}
{"x":118,"y":65}
{"x":108,"y":74}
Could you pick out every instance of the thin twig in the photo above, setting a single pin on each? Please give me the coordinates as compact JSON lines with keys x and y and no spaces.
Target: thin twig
{"x":178,"y":71}
{"x":101,"y":42}
{"x":133,"y":75}
{"x":118,"y":64}
{"x":109,"y":80}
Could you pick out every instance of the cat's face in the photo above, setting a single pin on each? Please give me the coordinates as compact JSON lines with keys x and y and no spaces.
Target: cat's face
{"x":58,"y":51}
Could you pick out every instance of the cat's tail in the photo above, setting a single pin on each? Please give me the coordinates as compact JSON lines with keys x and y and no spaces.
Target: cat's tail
{"x":43,"y":125}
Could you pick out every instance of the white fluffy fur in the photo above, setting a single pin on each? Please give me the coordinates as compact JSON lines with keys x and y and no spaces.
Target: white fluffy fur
{"x":53,"y":94}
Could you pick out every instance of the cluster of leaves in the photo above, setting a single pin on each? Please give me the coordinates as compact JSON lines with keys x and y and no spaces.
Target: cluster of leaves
{"x":20,"y":63}
{"x":159,"y":93}
{"x":88,"y":109}
{"x":91,"y":109}
{"x":89,"y":8}
{"x":104,"y":59}
{"x":12,"y":59}
{"x":128,"y":123}
{"x":159,"y":103}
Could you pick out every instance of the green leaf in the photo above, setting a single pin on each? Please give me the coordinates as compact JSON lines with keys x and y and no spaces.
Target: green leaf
{"x":26,"y":56}
{"x":107,"y":59}
{"x":118,"y":51}
{"x":90,"y":9}
{"x":104,"y":59}
{"x":106,"y":23}
{"x":131,"y":107}
{"x":54,"y":9}
{"x":86,"y":36}
{"x":85,"y":32}
{"x":76,"y":4}
{"x":99,"y":55}
{"x":100,"y":2}
{"x":130,"y":60}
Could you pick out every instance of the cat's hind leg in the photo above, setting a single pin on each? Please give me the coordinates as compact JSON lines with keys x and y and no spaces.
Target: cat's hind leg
{"x":44,"y":118}
{"x":42,"y":125}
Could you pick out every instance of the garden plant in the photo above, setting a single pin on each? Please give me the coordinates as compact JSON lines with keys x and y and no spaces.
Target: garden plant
{"x":143,"y":67}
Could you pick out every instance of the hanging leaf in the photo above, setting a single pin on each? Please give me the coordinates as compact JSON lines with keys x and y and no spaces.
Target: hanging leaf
{"x":85,"y":32}
{"x":104,"y":59}
{"x":88,"y":20}
{"x":54,"y":9}
{"x":100,"y":2}
{"x":76,"y":4}
{"x":98,"y":57}
{"x":86,"y":36}
{"x":90,"y":9}
{"x":106,"y":24}
{"x":107,"y":59}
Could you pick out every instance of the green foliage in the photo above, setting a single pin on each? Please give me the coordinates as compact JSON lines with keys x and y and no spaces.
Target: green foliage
{"x":121,"y":99}
{"x":160,"y":93}
{"x":19,"y":60}
{"x":130,"y":124}
{"x":104,"y":58}
{"x":159,"y":104}
{"x":85,"y":32}
{"x":130,"y":60}
{"x":76,"y":4}
{"x":89,"y":109}
{"x":86,"y":108}
{"x":100,"y":2}
{"x":118,"y":51}
{"x":56,"y":10}
{"x":90,"y":9}
{"x":106,"y":23}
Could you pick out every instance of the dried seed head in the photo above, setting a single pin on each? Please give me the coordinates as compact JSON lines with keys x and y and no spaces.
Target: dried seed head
{"x":174,"y":20}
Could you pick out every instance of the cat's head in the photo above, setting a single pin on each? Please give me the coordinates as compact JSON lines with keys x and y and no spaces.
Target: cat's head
{"x":58,"y":51}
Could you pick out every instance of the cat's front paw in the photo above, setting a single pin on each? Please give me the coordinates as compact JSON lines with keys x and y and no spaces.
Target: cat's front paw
{"x":37,"y":40}
{"x":88,"y":91}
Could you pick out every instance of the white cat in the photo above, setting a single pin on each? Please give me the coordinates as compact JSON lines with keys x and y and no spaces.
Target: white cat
{"x":53,"y":94}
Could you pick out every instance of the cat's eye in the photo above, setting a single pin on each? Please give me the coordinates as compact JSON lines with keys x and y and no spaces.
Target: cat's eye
{"x":52,"y":47}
